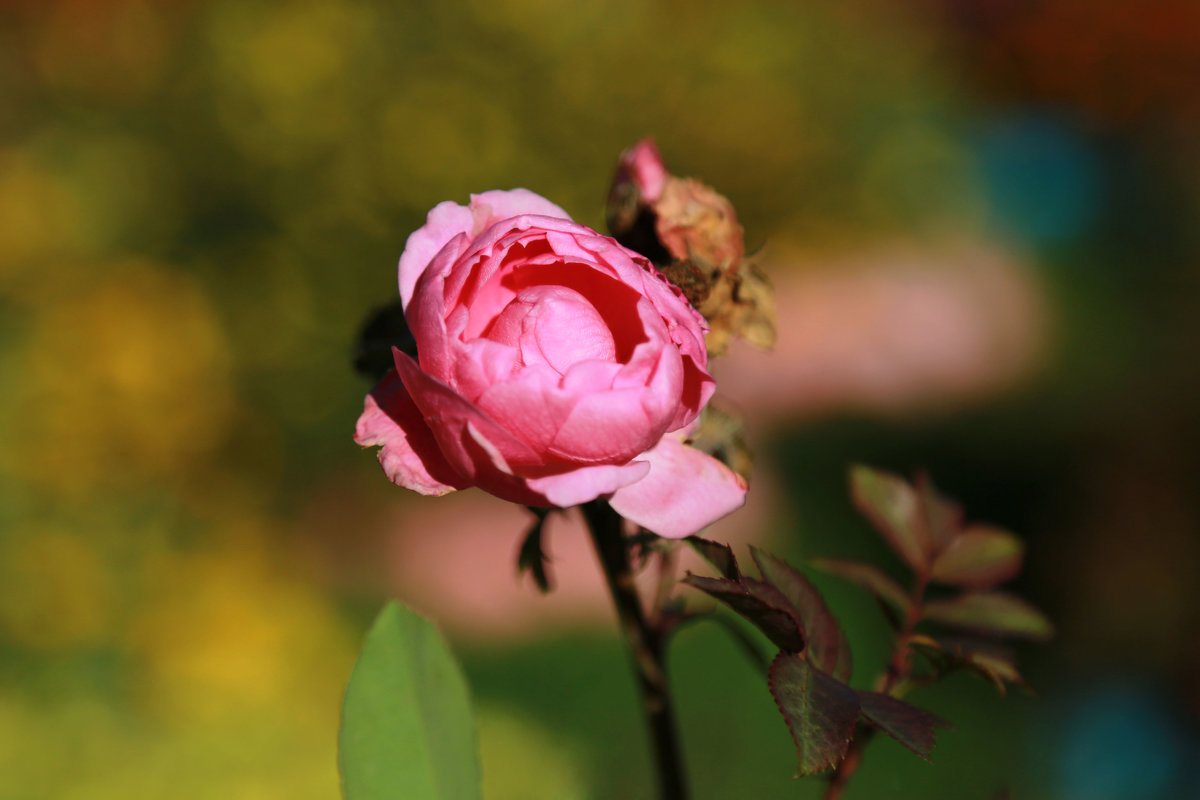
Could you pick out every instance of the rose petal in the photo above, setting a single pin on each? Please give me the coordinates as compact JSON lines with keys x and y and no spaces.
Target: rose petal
{"x":442,"y":224}
{"x":698,"y":387}
{"x":488,"y":207}
{"x":480,"y":364}
{"x":449,"y":219}
{"x":587,"y":483}
{"x":448,"y":414}
{"x":425,"y":312}
{"x":410,"y":454}
{"x":564,"y":328}
{"x":530,"y":405}
{"x":609,"y":427}
{"x":684,"y":491}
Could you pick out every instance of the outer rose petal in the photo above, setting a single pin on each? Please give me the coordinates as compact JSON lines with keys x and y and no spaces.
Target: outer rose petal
{"x":471,"y":441}
{"x":410,"y":455}
{"x":448,"y":219}
{"x":587,"y":483}
{"x":443,"y":223}
{"x":684,"y":491}
{"x":490,"y":207}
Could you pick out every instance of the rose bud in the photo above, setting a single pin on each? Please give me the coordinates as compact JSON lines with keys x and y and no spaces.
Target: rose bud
{"x":554,"y":367}
{"x":636,"y":186}
{"x":692,"y":232}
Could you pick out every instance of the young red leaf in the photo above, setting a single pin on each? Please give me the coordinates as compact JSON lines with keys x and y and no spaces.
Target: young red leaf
{"x":760,"y":603}
{"x":994,"y":613}
{"x":820,"y":711}
{"x":992,"y":662}
{"x":943,"y":516}
{"x":907,"y":724}
{"x":894,"y":509}
{"x":870,"y":578}
{"x":719,"y":555}
{"x":828,"y":648}
{"x":980,"y":558}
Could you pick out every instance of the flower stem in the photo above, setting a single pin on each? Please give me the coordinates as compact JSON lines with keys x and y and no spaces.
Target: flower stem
{"x":645,"y":644}
{"x":898,"y":668}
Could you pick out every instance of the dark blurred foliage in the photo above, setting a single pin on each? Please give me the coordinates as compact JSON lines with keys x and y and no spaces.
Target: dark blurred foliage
{"x":201,"y":200}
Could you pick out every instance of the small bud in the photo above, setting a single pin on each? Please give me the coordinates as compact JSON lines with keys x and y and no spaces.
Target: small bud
{"x":636,"y":186}
{"x":692,"y":233}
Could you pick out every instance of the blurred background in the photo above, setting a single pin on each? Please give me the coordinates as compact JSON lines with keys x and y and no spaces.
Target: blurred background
{"x":983,"y":221}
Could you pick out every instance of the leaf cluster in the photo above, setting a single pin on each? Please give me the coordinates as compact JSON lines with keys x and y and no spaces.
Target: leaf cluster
{"x":955,"y":617}
{"x":809,"y":677}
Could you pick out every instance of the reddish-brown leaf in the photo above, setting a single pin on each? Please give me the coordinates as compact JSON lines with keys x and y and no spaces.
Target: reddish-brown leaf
{"x":894,"y":508}
{"x":820,"y":711}
{"x":980,"y":558}
{"x":828,"y":648}
{"x":907,"y":724}
{"x":719,"y":555}
{"x":760,"y":603}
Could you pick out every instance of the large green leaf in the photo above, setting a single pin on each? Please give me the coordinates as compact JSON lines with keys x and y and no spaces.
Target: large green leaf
{"x":407,"y":731}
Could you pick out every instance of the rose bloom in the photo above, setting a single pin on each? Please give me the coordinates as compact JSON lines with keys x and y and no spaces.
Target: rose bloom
{"x":555,"y":367}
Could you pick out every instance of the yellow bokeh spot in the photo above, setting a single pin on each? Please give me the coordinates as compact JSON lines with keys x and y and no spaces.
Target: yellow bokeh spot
{"x":225,"y":631}
{"x":287,"y":75}
{"x":55,"y":591}
{"x":38,"y":210}
{"x":124,"y":380}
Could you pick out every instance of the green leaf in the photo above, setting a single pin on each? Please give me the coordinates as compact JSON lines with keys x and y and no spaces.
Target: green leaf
{"x":907,"y":724}
{"x":759,"y":602}
{"x":980,"y":558}
{"x":820,"y":711}
{"x":719,"y":555}
{"x":994,"y":613}
{"x":532,"y":556}
{"x":870,"y":578}
{"x":407,"y":731}
{"x":894,"y":508}
{"x":828,"y":648}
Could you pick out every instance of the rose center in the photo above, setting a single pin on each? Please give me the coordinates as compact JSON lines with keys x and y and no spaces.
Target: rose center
{"x":553,"y":325}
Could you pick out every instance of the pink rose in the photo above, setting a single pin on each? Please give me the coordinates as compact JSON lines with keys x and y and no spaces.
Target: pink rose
{"x":556,"y":367}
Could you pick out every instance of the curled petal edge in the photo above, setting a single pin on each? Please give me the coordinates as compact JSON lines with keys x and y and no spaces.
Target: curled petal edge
{"x":684,"y":491}
{"x":409,"y":453}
